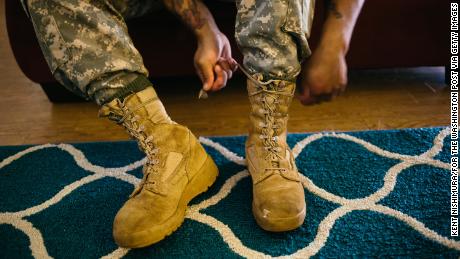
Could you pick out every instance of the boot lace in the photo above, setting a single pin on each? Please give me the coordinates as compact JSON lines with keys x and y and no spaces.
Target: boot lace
{"x":136,"y":129}
{"x":270,"y":129}
{"x":269,"y":133}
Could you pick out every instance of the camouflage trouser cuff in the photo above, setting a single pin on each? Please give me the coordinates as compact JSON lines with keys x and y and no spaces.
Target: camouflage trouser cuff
{"x":137,"y":85}
{"x":264,"y":77}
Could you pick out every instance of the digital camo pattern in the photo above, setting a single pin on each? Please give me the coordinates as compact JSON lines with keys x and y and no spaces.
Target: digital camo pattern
{"x":88,"y":48}
{"x":86,"y":44}
{"x":273,"y":36}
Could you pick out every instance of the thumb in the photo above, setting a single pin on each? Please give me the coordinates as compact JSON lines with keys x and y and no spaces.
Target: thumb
{"x":206,"y":74}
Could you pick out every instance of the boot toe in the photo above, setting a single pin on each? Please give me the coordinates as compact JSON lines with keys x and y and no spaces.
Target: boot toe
{"x":282,"y":203}
{"x":280,"y":209}
{"x":129,"y":226}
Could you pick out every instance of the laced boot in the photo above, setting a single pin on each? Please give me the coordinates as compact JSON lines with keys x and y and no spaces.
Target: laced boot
{"x":278,"y":196}
{"x":177,"y":170}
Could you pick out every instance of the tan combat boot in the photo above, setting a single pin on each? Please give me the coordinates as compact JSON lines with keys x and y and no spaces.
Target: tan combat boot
{"x":177,"y":170}
{"x":278,"y":196}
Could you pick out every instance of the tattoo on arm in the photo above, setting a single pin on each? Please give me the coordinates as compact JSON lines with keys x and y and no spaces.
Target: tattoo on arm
{"x":188,"y":11}
{"x":332,"y":8}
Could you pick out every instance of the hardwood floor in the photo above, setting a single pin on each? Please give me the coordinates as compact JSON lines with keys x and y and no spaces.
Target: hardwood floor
{"x":381,"y":99}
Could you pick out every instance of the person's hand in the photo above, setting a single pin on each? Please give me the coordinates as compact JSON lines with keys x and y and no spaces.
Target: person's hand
{"x":213,"y":61}
{"x":323,"y":76}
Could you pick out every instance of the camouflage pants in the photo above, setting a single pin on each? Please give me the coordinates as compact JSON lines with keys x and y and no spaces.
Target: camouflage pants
{"x":272,"y":35}
{"x":88,"y":49}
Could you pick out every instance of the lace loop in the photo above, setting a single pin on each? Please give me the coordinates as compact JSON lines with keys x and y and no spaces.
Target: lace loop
{"x":132,"y":123}
{"x":269,"y":127}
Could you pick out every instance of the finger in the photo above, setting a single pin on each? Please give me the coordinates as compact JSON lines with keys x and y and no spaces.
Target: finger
{"x":227,"y":50}
{"x":206,"y":74}
{"x":227,"y":55}
{"x":221,"y":78}
{"x":306,"y":98}
{"x":226,"y":67}
{"x":233,"y":64}
{"x":308,"y":101}
{"x":223,"y":83}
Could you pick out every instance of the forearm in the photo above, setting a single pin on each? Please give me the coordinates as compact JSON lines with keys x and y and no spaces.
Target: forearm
{"x":340,"y":21}
{"x":195,"y":15}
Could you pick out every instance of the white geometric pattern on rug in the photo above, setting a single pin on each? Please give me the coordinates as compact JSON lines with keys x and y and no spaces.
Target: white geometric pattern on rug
{"x":38,"y":248}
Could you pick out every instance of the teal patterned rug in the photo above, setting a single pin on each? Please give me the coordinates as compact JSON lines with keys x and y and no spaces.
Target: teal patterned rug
{"x":375,"y":193}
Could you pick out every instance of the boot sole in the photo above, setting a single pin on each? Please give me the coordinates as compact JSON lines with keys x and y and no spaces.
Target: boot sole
{"x":278,"y":224}
{"x":204,"y":178}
